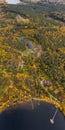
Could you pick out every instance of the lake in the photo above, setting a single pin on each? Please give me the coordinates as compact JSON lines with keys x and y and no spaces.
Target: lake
{"x":26,"y":118}
{"x":12,"y":1}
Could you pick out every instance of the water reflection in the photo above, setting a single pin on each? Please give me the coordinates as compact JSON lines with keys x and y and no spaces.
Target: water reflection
{"x":26,"y":118}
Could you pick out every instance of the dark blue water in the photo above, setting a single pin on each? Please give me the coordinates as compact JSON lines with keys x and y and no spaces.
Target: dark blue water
{"x":22,"y":118}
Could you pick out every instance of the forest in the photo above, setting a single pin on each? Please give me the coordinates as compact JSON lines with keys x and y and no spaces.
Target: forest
{"x":32,"y":49}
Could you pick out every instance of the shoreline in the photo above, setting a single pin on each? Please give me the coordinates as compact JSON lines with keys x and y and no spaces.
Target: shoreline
{"x":28,"y":103}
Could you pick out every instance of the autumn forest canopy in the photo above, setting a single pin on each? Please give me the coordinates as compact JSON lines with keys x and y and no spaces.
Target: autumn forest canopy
{"x":32,"y":49}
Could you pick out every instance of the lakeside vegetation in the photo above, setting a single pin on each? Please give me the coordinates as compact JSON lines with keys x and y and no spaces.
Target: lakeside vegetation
{"x":22,"y":68}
